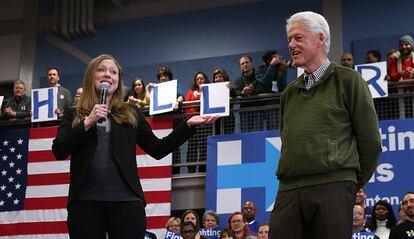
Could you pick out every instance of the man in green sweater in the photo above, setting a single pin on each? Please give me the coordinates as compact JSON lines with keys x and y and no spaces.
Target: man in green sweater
{"x":330,"y":139}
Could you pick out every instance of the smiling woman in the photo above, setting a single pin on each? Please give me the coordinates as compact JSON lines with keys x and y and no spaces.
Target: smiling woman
{"x":105,"y":195}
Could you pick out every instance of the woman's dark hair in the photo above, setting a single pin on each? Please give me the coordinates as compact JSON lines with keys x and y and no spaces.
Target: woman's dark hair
{"x":228,"y":232}
{"x":194,"y":86}
{"x":164,"y":71}
{"x":188,"y":223}
{"x":188,"y":212}
{"x":132,"y":91}
{"x":246,"y":231}
{"x":223,"y":73}
{"x":391,"y":216}
{"x":376,"y":54}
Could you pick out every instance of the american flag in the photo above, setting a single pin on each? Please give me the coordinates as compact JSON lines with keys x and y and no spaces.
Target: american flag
{"x":34,"y":186}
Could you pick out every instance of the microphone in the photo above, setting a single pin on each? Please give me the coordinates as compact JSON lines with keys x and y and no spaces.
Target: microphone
{"x":104,"y":86}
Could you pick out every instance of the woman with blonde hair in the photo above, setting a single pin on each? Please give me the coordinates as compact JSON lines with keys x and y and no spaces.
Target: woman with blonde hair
{"x":105,"y":193}
{"x":173,"y":224}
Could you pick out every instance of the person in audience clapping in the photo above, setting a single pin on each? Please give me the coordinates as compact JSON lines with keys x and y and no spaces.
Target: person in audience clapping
{"x":19,"y":105}
{"x":138,"y":94}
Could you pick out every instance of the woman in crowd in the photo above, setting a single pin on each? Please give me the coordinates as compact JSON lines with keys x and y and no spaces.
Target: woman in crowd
{"x":210,"y":219}
{"x":220,"y":75}
{"x":173,"y":224}
{"x":191,"y":216}
{"x":197,"y":147}
{"x":382,"y":220}
{"x":237,"y":223}
{"x":195,"y":90}
{"x":138,"y":94}
{"x":105,"y":194}
{"x":227,"y":234}
{"x":263,"y":231}
{"x":164,"y":74}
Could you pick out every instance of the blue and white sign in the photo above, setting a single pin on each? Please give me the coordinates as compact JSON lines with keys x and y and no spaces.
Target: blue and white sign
{"x":242,"y":167}
{"x":172,"y":235}
{"x":44,"y":103}
{"x":393,"y":175}
{"x":374,"y":74}
{"x":210,"y":233}
{"x":215,"y":99}
{"x":163,"y":97}
{"x":363,"y":235}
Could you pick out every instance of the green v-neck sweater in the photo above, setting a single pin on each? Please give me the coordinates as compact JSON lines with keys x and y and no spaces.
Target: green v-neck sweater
{"x":329,"y":133}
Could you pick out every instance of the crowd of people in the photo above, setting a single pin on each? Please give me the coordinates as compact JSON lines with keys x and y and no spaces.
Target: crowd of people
{"x":400,"y":63}
{"x":271,"y":76}
{"x":379,"y":222}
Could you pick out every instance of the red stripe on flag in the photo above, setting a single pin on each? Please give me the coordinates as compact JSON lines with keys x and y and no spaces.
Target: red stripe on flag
{"x":139,"y":151}
{"x":160,"y":123}
{"x":48,"y":179}
{"x":156,"y":222}
{"x":33,"y":228}
{"x":45,"y":203}
{"x":158,"y":196}
{"x":41,"y":156}
{"x":154,"y":172}
{"x":42,"y":133}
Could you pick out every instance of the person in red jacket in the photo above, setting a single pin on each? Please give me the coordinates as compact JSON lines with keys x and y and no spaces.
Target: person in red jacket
{"x":195,"y":90}
{"x":402,"y":68}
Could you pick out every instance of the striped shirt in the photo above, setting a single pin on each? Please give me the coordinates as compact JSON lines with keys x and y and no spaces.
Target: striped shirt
{"x":312,"y":78}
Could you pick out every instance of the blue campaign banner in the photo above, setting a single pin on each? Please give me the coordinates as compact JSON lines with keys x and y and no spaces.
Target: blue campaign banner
{"x":242,"y":167}
{"x":211,"y":233}
{"x":363,"y":235}
{"x":172,"y":235}
{"x":393,"y":176}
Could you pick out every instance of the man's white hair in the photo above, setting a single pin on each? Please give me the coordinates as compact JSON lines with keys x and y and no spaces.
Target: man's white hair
{"x":315,"y":23}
